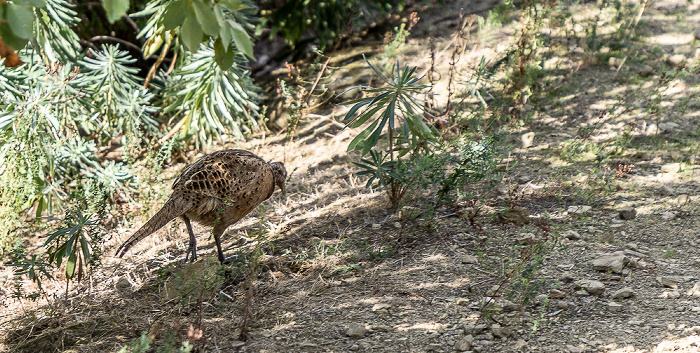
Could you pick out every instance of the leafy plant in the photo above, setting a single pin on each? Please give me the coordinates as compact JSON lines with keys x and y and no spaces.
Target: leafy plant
{"x":76,"y":242}
{"x":213,"y":101}
{"x":395,"y":108}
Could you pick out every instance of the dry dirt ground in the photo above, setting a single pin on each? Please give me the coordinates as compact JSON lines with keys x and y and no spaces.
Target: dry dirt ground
{"x":341,"y":272}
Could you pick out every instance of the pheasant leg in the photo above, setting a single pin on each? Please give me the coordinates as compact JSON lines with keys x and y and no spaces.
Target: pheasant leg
{"x":193,"y":241}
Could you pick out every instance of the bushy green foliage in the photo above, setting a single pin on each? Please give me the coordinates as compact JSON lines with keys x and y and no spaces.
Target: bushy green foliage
{"x":396,"y":108}
{"x":327,"y":20}
{"x":61,"y":109}
{"x":213,"y":101}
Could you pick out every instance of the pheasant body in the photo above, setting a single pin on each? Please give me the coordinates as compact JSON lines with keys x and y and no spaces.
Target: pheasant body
{"x":216,"y":191}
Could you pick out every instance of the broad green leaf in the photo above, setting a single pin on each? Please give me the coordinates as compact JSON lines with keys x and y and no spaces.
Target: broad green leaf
{"x":205,"y":16}
{"x":10,"y":38}
{"x":242,"y":39}
{"x":70,"y":266}
{"x":21,"y":19}
{"x":191,"y":34}
{"x":364,"y":117}
{"x":223,"y":57}
{"x":175,"y":14}
{"x":354,"y":109}
{"x":361,"y":136}
{"x":115,"y":9}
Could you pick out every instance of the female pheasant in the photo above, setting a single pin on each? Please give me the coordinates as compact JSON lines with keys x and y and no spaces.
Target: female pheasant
{"x":216,"y":191}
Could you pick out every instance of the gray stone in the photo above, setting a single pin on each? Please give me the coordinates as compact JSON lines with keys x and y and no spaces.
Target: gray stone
{"x":695,"y":291}
{"x":625,"y":292}
{"x":645,"y":71}
{"x":592,"y":287}
{"x":475,"y":329}
{"x":666,"y":190}
{"x":668,"y":215}
{"x":578,"y":210}
{"x":668,"y":126}
{"x":527,"y":139}
{"x":677,"y":60}
{"x":501,"y":332}
{"x":674,"y":294}
{"x":470,"y":259}
{"x":381,"y":307}
{"x":572,"y":235}
{"x":614,"y":262}
{"x":566,"y":277}
{"x":612,"y":306}
{"x":652,"y":129}
{"x":614,"y":63}
{"x":628,"y":213}
{"x":556,"y":294}
{"x":669,"y":281}
{"x":123,"y":284}
{"x":464,"y":344}
{"x":356,"y":330}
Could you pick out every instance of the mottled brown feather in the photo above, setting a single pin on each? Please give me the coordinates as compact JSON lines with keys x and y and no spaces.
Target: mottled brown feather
{"x":217,"y":190}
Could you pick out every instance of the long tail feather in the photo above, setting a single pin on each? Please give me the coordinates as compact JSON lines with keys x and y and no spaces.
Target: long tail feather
{"x":172,"y":209}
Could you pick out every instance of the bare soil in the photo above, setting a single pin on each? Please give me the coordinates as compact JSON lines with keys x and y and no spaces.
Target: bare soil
{"x":342,"y":272}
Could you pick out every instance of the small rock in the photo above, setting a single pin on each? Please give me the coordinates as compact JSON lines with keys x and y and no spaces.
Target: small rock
{"x":612,"y":306}
{"x":632,"y":246}
{"x":508,"y":305}
{"x":397,"y":225}
{"x":381,"y":328}
{"x":668,"y":215}
{"x":572,"y":235}
{"x":470,"y":259}
{"x":540,"y":299}
{"x":652,"y":129}
{"x":567,"y":277}
{"x":614,"y":262}
{"x":527,"y":139}
{"x":356,"y":330}
{"x":628,"y":213}
{"x":578,"y":210}
{"x":354,"y":348}
{"x":683,"y":199}
{"x":501,"y":332}
{"x":675,"y":155}
{"x":625,"y":292}
{"x":520,"y":344}
{"x":516,"y":215}
{"x":677,"y":60}
{"x":409,"y":213}
{"x":695,"y":291}
{"x":464,"y":344}
{"x":556,"y":294}
{"x":527,"y":238}
{"x":123,"y":284}
{"x":475,"y":329}
{"x":376,"y":226}
{"x":614,"y":62}
{"x":697,"y":34}
{"x":581,"y":293}
{"x":668,"y":126}
{"x":592,"y":287}
{"x":381,"y":306}
{"x":645,"y":71}
{"x":674,"y":294}
{"x":462,"y":301}
{"x":668,"y":281}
